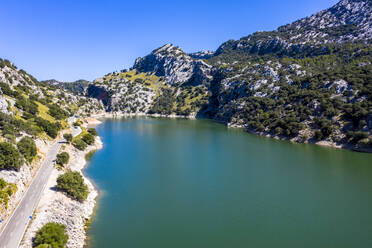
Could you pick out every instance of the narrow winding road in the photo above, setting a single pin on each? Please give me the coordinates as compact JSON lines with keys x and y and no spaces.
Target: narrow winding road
{"x":13,"y":231}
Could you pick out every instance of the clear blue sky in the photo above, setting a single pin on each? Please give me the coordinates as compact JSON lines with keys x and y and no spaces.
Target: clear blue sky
{"x":69,"y":40}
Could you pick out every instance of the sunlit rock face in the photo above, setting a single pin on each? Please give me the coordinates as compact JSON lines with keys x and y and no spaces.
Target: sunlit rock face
{"x":175,"y":66}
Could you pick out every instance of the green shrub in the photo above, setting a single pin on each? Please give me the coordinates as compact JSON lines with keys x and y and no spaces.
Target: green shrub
{"x":138,"y":80}
{"x":9,"y":129}
{"x":73,"y":184}
{"x":10,"y":137}
{"x":67,"y":137}
{"x":278,"y":130}
{"x":6,"y":190}
{"x":57,"y":112}
{"x":52,"y":234}
{"x":50,"y":128}
{"x":62,"y":158}
{"x":88,"y":138}
{"x":365,"y":142}
{"x":44,"y":246}
{"x":7,"y":90}
{"x":355,"y":137}
{"x":318,"y":135}
{"x":92,"y":131}
{"x":27,"y":116}
{"x":163,"y":104}
{"x":27,"y":105}
{"x":11,"y":125}
{"x":80,"y":144}
{"x":10,"y":158}
{"x":27,"y":147}
{"x":325,"y":126}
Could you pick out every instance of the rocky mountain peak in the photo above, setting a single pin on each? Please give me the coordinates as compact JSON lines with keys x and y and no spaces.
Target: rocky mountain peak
{"x":168,"y":49}
{"x":175,"y":66}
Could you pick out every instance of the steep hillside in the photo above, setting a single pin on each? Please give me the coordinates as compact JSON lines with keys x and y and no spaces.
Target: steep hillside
{"x":347,"y":21}
{"x":133,"y":92}
{"x":32,"y":115}
{"x":78,"y":87}
{"x":309,"y":81}
{"x":127,"y":92}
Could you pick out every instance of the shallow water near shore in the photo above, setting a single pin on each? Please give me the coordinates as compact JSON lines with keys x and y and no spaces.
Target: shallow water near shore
{"x":195,"y":183}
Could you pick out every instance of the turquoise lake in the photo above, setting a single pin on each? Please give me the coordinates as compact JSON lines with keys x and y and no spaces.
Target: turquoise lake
{"x":174,"y":183}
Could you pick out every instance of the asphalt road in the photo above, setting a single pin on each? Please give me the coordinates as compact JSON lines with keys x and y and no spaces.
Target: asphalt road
{"x":14,"y":230}
{"x":76,"y":131}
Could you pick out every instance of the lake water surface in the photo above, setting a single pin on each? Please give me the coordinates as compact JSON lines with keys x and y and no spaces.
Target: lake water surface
{"x":168,"y":183}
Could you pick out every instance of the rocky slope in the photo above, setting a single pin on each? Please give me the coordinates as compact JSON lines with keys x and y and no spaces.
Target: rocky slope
{"x":77,"y":87}
{"x":36,"y":110}
{"x":57,"y":207}
{"x":329,"y":25}
{"x":175,"y":66}
{"x":134,"y":92}
{"x":347,"y":21}
{"x":308,"y":81}
{"x":125,"y":92}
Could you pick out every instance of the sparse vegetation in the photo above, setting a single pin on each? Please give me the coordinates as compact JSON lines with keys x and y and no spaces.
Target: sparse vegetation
{"x":57,"y":112}
{"x":6,"y":190}
{"x":92,"y":131}
{"x":62,"y":158}
{"x":76,"y":124}
{"x":80,"y":144}
{"x":10,"y":158}
{"x":88,"y":138}
{"x":163,"y":104}
{"x":27,"y":147}
{"x":50,"y":128}
{"x":68,"y":137}
{"x":27,"y":105}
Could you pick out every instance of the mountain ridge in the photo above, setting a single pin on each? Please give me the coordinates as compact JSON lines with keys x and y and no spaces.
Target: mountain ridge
{"x":308,"y":81}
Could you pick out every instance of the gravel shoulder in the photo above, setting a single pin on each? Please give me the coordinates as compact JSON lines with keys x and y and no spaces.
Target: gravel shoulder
{"x":55,"y":206}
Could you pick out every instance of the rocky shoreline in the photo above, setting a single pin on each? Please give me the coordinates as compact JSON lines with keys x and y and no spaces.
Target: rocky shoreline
{"x":140,"y":114}
{"x":56,"y":206}
{"x":297,"y":139}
